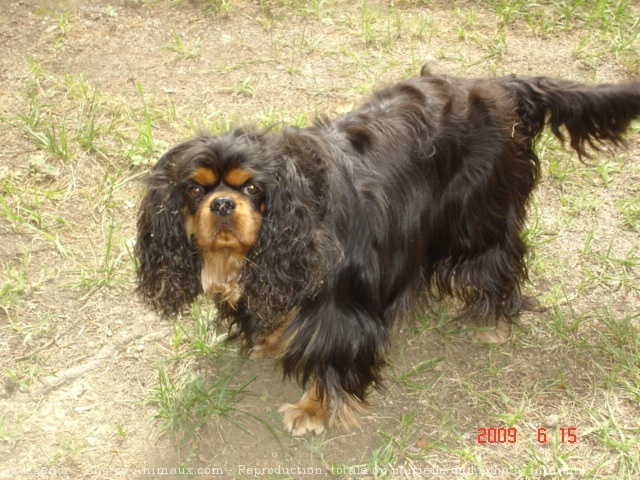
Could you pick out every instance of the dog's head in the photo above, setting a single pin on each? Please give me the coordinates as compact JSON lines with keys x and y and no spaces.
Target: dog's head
{"x":222,"y":207}
{"x":201,"y":215}
{"x":222,"y":215}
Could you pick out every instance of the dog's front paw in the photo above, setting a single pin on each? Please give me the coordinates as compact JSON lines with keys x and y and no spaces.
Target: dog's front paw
{"x":299,"y":419}
{"x":308,"y":415}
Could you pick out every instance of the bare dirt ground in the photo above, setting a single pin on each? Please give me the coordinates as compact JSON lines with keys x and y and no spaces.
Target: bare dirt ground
{"x":79,"y":354}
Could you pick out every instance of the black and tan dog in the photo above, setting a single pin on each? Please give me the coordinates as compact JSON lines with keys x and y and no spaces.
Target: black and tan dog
{"x":314,"y":241}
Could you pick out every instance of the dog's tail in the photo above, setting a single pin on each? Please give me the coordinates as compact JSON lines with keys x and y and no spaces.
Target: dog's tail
{"x":592,"y":115}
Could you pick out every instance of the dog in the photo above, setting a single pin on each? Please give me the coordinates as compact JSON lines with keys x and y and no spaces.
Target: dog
{"x":314,"y":241}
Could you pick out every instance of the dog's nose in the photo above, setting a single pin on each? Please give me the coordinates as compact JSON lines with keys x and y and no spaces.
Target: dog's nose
{"x":223,"y":206}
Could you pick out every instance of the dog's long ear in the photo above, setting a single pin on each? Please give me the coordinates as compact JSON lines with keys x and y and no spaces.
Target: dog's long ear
{"x":294,"y":251}
{"x":169,"y":264}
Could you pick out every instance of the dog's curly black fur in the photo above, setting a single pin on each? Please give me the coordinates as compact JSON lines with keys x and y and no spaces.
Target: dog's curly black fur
{"x":421,"y":192}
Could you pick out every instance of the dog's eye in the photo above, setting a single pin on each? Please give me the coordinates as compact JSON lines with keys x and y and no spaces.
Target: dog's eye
{"x":195,"y":191}
{"x":251,"y":189}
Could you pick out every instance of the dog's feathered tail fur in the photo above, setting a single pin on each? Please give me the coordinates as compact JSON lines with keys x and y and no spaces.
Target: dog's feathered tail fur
{"x":592,"y":115}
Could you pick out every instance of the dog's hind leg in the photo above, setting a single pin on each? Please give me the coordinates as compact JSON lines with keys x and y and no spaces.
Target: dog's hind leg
{"x":489,"y":284}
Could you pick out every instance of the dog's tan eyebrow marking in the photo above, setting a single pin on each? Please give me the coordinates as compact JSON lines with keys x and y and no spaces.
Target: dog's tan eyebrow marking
{"x":204,"y":176}
{"x":236,"y":177}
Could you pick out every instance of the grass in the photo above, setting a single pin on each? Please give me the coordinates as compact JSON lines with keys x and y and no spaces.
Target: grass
{"x":15,"y":286}
{"x":187,"y":403}
{"x":184,"y":51}
{"x":107,"y":261}
{"x":204,"y":386}
{"x":77,"y":147}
